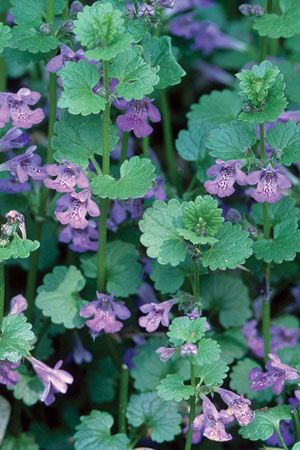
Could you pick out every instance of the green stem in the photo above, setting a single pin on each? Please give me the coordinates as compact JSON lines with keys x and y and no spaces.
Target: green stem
{"x":52,"y":113}
{"x":50,"y":11}
{"x":33,"y":271}
{"x":196,"y":282}
{"x":281,"y":438}
{"x":136,"y":6}
{"x":145,"y":145}
{"x":264,"y":40}
{"x":189,"y":438}
{"x":296,"y":424}
{"x":138,"y":437}
{"x":123,"y":398}
{"x":168,"y":137}
{"x":124,"y":147}
{"x":266,"y":318}
{"x":104,"y":204}
{"x":2,"y":75}
{"x":2,"y":292}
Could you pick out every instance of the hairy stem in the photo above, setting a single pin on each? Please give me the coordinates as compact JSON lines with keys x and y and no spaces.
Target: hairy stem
{"x":189,"y":438}
{"x":124,"y":147}
{"x":296,"y":424}
{"x":2,"y":292}
{"x":33,"y":272}
{"x":2,"y":75}
{"x":264,"y":40}
{"x":123,"y":398}
{"x":104,"y":204}
{"x":196,"y":282}
{"x":145,"y":145}
{"x":168,"y":137}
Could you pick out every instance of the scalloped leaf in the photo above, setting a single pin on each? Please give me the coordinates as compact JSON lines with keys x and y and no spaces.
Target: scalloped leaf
{"x":213,"y":374}
{"x":16,"y":338}
{"x":173,"y":388}
{"x":136,"y":178}
{"x":284,"y":25}
{"x":203,"y":215}
{"x":285,"y":140}
{"x":27,"y":37}
{"x":208,"y":352}
{"x":184,"y":329}
{"x":18,"y":248}
{"x":5,"y":36}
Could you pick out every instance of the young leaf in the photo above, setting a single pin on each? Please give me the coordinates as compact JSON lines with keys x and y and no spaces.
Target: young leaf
{"x":136,"y":77}
{"x":265,"y":423}
{"x":18,"y":248}
{"x":158,"y":52}
{"x":213,"y":374}
{"x":159,"y":234}
{"x":123,"y":271}
{"x":215,"y":108}
{"x":183,"y":329}
{"x":282,"y":247}
{"x":173,"y":388}
{"x":16,"y":338}
{"x":203,"y":216}
{"x":78,"y":138}
{"x":285,"y":140}
{"x":29,"y":38}
{"x":208,"y":352}
{"x":229,"y":297}
{"x":77,"y":96}
{"x":284,"y":25}
{"x":233,"y":248}
{"x":100,"y":28}
{"x":59,"y":298}
{"x":136,"y":178}
{"x":5,"y":36}
{"x":161,"y":418}
{"x":231,"y":141}
{"x":94,"y":433}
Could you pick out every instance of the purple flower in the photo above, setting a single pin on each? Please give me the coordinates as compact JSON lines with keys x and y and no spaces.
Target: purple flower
{"x":165,"y":353}
{"x":81,"y":240}
{"x":67,"y":176}
{"x":166,"y":3}
{"x":136,"y":116}
{"x":146,"y":10}
{"x":12,"y":185}
{"x":54,"y":380}
{"x":276,"y":375}
{"x":210,"y":423}
{"x":286,"y":430}
{"x":79,"y":353}
{"x":8,"y":376}
{"x":182,"y":5}
{"x":185,"y":25}
{"x":285,"y":116}
{"x":25,"y":166}
{"x":71,"y":209}
{"x":209,"y":37}
{"x":215,"y":74}
{"x":15,"y":107}
{"x":76,"y":7}
{"x":251,"y":10}
{"x":122,"y":210}
{"x":271,"y":184}
{"x":103,"y":313}
{"x":188,"y":349}
{"x":226,"y":173}
{"x":14,"y":138}
{"x":157,"y":192}
{"x":238,"y":406}
{"x":18,"y":304}
{"x":66,"y":54}
{"x":156,"y":314}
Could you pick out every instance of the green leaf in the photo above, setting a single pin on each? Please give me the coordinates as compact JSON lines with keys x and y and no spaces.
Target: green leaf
{"x":263,"y":88}
{"x":232,"y":343}
{"x":136,"y":77}
{"x":296,"y":446}
{"x":232,"y":249}
{"x":213,"y":374}
{"x":16,"y":338}
{"x":148,"y":370}
{"x":265,"y":423}
{"x":194,"y":238}
{"x":27,"y":37}
{"x":278,"y":212}
{"x":215,"y":108}
{"x":136,"y":178}
{"x":161,"y":418}
{"x":58,"y":297}
{"x":240,"y":383}
{"x":167,"y":279}
{"x":229,"y":297}
{"x":123,"y":271}
{"x":18,"y":248}
{"x":78,"y":138}
{"x":183,"y":329}
{"x":23,"y":442}
{"x":102,"y":381}
{"x":100,"y":28}
{"x":191,"y":143}
{"x":77,"y":96}
{"x":282,"y":247}
{"x":26,"y":11}
{"x":5,"y":410}
{"x":5,"y":36}
{"x":159,"y":234}
{"x":203,"y":216}
{"x":285,"y":140}
{"x":28,"y":389}
{"x":158,"y":52}
{"x":173,"y":388}
{"x":232,"y":140}
{"x":208,"y":352}
{"x":93,"y":433}
{"x":284,"y":25}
